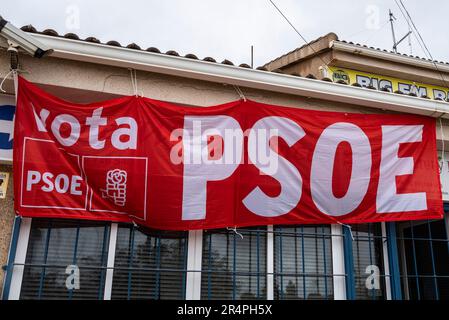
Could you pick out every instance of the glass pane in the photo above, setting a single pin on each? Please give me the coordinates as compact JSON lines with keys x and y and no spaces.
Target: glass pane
{"x":369,"y":273}
{"x":232,"y":267}
{"x":150,"y":264}
{"x":303,"y":263}
{"x":424,"y":259}
{"x":65,"y":260}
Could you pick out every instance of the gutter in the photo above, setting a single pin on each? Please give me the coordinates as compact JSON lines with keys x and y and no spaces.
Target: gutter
{"x":19,"y":38}
{"x":250,"y":78}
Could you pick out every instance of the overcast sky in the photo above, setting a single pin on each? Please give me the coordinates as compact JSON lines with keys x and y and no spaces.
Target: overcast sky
{"x":227,"y":29}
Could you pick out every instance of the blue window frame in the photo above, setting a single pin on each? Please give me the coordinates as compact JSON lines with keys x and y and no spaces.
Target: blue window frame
{"x":234,"y":267}
{"x":149,"y":264}
{"x":303,"y":262}
{"x":55,"y":245}
{"x":424,"y":259}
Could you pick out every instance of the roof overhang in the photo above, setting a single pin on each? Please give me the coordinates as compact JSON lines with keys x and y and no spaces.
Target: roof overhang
{"x":256,"y":79}
{"x":389,"y":56}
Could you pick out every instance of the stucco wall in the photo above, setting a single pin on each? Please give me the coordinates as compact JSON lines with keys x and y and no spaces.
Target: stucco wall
{"x":6,"y":223}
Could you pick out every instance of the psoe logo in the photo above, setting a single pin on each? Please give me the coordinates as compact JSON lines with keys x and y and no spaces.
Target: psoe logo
{"x":115,"y":187}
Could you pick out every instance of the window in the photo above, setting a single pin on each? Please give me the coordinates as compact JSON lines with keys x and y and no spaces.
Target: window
{"x":367,"y":250}
{"x":303,"y":262}
{"x":234,"y":267}
{"x":424,"y":259}
{"x":65,"y":260}
{"x":150,"y":264}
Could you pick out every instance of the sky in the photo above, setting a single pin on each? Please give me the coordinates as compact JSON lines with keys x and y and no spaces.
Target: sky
{"x":227,"y":29}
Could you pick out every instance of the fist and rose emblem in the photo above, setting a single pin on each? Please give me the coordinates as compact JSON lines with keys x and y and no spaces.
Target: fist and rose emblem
{"x":115,"y":187}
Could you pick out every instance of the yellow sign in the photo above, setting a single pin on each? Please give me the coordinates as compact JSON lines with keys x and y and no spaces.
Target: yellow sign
{"x":388,"y":83}
{"x":4,"y":177}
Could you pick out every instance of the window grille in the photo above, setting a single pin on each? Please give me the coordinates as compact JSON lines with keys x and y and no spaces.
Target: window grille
{"x":56,"y":245}
{"x":424,"y":259}
{"x":149,"y":264}
{"x":303,"y":262}
{"x":232,"y":267}
{"x":368,"y":259}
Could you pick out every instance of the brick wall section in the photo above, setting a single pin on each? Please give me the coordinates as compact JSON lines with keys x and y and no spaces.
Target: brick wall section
{"x":6,"y":223}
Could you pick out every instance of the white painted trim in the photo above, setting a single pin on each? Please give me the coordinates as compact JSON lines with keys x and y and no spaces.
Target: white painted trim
{"x":338,"y":262}
{"x":194,"y":265}
{"x":111,"y":261}
{"x":19,"y":261}
{"x":250,"y":78}
{"x":386,"y":261}
{"x":270,"y":263}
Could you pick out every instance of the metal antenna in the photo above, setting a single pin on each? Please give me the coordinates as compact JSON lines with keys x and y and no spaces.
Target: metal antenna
{"x":396,"y":43}
{"x":410,"y":43}
{"x":392,"y":17}
{"x":252,"y":56}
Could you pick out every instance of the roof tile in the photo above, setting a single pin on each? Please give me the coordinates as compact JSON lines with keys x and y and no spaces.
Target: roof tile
{"x":29,"y":28}
{"x":172,"y":53}
{"x":153,"y":49}
{"x":113,"y":43}
{"x":133,"y":46}
{"x":72,"y":36}
{"x":191,"y":56}
{"x":228,"y":62}
{"x":92,"y":39}
{"x":50,"y":32}
{"x":209,"y":59}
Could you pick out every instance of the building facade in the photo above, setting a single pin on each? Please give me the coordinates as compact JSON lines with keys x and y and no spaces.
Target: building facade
{"x":74,"y":259}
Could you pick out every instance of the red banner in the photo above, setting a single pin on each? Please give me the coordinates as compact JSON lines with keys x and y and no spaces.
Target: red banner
{"x":242,"y":163}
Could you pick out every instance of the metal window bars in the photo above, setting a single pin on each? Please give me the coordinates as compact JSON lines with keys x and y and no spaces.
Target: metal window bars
{"x":303,"y":262}
{"x":302,"y":255}
{"x":47,"y":265}
{"x":424,"y":259}
{"x":368,"y":262}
